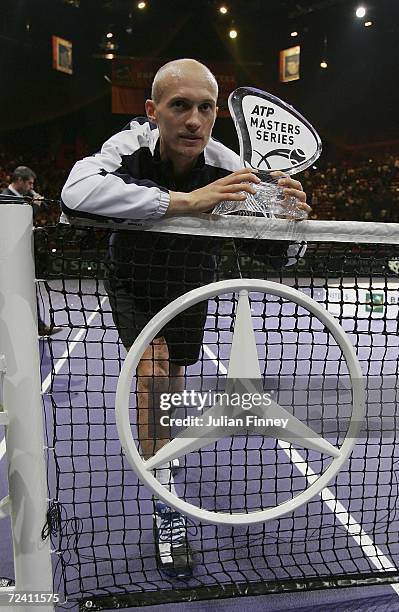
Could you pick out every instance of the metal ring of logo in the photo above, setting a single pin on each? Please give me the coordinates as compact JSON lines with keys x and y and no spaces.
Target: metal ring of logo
{"x":145,"y":338}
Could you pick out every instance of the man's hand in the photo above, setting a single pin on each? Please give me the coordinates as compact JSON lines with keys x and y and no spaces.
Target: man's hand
{"x":36,"y":197}
{"x":235,"y":187}
{"x":292,"y":188}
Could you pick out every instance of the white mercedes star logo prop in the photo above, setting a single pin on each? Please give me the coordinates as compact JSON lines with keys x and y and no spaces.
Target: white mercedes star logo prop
{"x":243,"y":364}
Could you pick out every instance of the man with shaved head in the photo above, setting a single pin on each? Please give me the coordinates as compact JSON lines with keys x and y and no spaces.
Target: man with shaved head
{"x":163,"y":165}
{"x":176,"y":69}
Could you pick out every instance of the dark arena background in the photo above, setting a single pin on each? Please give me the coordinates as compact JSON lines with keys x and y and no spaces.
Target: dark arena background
{"x":50,"y":118}
{"x":75,"y":72}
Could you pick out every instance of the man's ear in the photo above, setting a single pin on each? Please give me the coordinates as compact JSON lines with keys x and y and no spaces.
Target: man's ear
{"x":150,"y":110}
{"x":216,"y":114}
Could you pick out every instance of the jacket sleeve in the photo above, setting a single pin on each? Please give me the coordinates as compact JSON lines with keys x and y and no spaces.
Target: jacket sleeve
{"x":99,"y":185}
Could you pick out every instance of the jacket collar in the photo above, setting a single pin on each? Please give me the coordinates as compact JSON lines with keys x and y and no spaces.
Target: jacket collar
{"x":167,"y":165}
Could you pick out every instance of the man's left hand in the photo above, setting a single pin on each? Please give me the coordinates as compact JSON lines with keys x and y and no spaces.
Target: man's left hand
{"x":292,"y":188}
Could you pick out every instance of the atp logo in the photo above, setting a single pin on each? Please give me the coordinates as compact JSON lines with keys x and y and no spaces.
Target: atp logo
{"x":272,"y":134}
{"x":295,"y":156}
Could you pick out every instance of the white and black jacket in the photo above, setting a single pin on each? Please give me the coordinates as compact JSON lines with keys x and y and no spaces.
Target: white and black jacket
{"x":128,"y":180}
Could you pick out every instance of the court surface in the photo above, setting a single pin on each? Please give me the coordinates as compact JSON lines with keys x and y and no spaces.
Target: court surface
{"x":344,"y":529}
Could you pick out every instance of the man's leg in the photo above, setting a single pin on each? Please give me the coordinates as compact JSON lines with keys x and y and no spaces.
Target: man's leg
{"x":176,"y":377}
{"x":176,"y":385}
{"x":155,"y":376}
{"x":152,"y":380}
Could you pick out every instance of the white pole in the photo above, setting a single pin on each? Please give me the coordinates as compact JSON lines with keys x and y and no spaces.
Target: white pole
{"x":22,"y":401}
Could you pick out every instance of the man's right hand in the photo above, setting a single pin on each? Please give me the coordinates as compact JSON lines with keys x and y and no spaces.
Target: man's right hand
{"x":36,"y":197}
{"x":234,"y":187}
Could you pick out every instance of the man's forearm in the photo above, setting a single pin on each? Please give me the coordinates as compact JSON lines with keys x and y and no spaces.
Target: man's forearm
{"x":180,"y":204}
{"x":234,"y":186}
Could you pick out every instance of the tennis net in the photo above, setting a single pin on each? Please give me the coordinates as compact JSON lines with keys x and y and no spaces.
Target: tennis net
{"x":100,"y":516}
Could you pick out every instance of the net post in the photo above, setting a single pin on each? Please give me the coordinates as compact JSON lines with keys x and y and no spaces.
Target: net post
{"x":22,"y":401}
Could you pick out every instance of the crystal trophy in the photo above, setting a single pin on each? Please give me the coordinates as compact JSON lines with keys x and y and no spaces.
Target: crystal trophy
{"x":272,"y":136}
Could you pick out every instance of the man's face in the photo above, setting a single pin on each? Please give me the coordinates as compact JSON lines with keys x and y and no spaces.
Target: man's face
{"x":24,"y":187}
{"x":185,"y":114}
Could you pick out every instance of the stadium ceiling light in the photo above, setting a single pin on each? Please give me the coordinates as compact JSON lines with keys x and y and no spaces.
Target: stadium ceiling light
{"x":367,"y":24}
{"x":360,"y":12}
{"x":323,"y":64}
{"x":109,"y":35}
{"x":294,"y":33}
{"x":141,"y":5}
{"x":223,"y":9}
{"x":233,"y":33}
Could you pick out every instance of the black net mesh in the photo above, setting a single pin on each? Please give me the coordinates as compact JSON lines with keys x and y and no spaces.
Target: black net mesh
{"x":101,"y":287}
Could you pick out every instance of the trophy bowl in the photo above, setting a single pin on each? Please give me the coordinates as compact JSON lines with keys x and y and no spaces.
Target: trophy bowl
{"x":268,"y":201}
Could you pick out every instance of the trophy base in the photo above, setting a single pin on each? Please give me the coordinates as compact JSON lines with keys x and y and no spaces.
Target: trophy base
{"x":269,"y":201}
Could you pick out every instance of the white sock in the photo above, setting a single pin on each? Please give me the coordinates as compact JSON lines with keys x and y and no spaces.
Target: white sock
{"x":164,"y":475}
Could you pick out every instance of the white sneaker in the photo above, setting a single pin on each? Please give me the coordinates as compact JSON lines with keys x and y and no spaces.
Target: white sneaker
{"x":172,"y":546}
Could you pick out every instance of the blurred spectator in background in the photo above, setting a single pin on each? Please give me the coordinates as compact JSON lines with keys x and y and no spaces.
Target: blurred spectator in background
{"x":366,"y":190}
{"x":22,"y":183}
